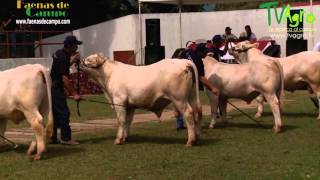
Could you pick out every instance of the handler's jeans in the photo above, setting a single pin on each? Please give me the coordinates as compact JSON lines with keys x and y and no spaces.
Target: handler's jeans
{"x":61,"y":114}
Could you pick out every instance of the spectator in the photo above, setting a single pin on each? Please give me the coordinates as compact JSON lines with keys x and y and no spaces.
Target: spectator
{"x":62,"y":60}
{"x":243,"y":37}
{"x":228,"y":36}
{"x":250,"y":35}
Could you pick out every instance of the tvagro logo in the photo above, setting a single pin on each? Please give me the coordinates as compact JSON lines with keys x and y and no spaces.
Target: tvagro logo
{"x":286,"y":15}
{"x":44,"y":12}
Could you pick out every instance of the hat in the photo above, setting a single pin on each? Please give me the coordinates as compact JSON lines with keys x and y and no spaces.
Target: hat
{"x":71,"y":40}
{"x":228,"y":28}
{"x":202,"y":48}
{"x":217,"y":38}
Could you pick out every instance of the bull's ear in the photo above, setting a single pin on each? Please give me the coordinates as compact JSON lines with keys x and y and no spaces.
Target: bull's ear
{"x":100,"y":54}
{"x":255,"y":45}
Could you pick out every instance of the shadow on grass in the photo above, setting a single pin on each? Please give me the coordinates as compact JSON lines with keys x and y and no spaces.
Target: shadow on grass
{"x":97,"y":140}
{"x":293,"y":114}
{"x":167,"y":140}
{"x":52,"y":151}
{"x":287,"y":114}
{"x":249,"y":126}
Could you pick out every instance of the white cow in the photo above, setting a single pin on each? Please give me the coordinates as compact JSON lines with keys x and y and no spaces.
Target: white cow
{"x":151,"y":87}
{"x":301,"y":71}
{"x":246,"y":82}
{"x":25,"y":93}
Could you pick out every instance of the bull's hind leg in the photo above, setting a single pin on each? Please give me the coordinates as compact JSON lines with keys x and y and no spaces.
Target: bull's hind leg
{"x":275,"y":107}
{"x":187,"y":111}
{"x":121,"y":115}
{"x":318,"y":98}
{"x":316,"y":91}
{"x":3,"y":125}
{"x":36,"y":121}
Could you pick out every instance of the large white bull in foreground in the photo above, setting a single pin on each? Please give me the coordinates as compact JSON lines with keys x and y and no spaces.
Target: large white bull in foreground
{"x":25,"y":93}
{"x":151,"y":87}
{"x":246,"y":82}
{"x":301,"y":71}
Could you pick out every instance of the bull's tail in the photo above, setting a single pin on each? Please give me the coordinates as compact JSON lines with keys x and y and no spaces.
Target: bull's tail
{"x":280,"y":92}
{"x":195,"y":98}
{"x":47,"y":82}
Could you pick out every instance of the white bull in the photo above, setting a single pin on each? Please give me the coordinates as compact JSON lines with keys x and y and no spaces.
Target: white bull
{"x":151,"y":87}
{"x":301,"y":71}
{"x":25,"y":93}
{"x":246,"y":82}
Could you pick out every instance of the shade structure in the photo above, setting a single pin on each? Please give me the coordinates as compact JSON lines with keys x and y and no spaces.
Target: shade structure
{"x":180,"y":3}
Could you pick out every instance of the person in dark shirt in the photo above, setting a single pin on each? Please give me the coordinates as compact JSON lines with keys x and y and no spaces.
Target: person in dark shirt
{"x":195,"y":55}
{"x":62,"y":60}
{"x":217,"y":42}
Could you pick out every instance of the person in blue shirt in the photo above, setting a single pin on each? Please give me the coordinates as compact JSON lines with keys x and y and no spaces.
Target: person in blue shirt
{"x":62,"y":60}
{"x":196,"y":55}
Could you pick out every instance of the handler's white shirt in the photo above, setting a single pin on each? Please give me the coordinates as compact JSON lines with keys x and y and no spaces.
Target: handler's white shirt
{"x":317,"y":47}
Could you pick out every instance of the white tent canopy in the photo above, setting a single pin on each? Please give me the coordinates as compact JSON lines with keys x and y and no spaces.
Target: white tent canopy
{"x":180,"y":3}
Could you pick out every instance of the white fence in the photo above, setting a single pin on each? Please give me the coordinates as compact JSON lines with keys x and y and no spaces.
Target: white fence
{"x":15,"y":62}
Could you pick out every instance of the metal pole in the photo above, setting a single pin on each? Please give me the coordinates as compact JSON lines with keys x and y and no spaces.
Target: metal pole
{"x":180,"y":25}
{"x":140,"y":35}
{"x":312,"y":32}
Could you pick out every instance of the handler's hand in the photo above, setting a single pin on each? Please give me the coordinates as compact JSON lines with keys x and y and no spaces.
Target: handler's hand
{"x":75,"y":58}
{"x":215,"y":91}
{"x":77,"y":97}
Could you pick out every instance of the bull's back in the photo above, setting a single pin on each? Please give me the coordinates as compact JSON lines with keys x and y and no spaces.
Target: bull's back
{"x":19,"y":86}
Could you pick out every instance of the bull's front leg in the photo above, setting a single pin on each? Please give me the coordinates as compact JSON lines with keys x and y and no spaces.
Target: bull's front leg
{"x":223,"y":109}
{"x":3,"y":125}
{"x":260,"y":100}
{"x":129,"y":118}
{"x":122,"y":117}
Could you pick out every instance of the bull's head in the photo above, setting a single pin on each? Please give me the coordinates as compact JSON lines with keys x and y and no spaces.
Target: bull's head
{"x":94,"y":60}
{"x":240,"y":51}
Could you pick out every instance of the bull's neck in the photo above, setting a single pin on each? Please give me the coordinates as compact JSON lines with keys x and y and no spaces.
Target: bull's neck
{"x":104,"y":74}
{"x":252,"y":53}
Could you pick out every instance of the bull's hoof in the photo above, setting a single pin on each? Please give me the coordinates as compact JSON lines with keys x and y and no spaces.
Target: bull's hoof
{"x":36,"y":157}
{"x":118,"y":141}
{"x":189,"y":144}
{"x":30,"y":152}
{"x":276,"y":129}
{"x":258,"y":115}
{"x":211,"y":126}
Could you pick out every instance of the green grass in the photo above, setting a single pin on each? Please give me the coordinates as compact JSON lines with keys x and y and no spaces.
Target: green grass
{"x":155,"y":150}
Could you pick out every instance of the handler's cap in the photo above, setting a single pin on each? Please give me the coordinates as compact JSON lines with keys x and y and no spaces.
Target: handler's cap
{"x":217,"y":38}
{"x":71,"y":40}
{"x":202,"y":48}
{"x":228,"y":28}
